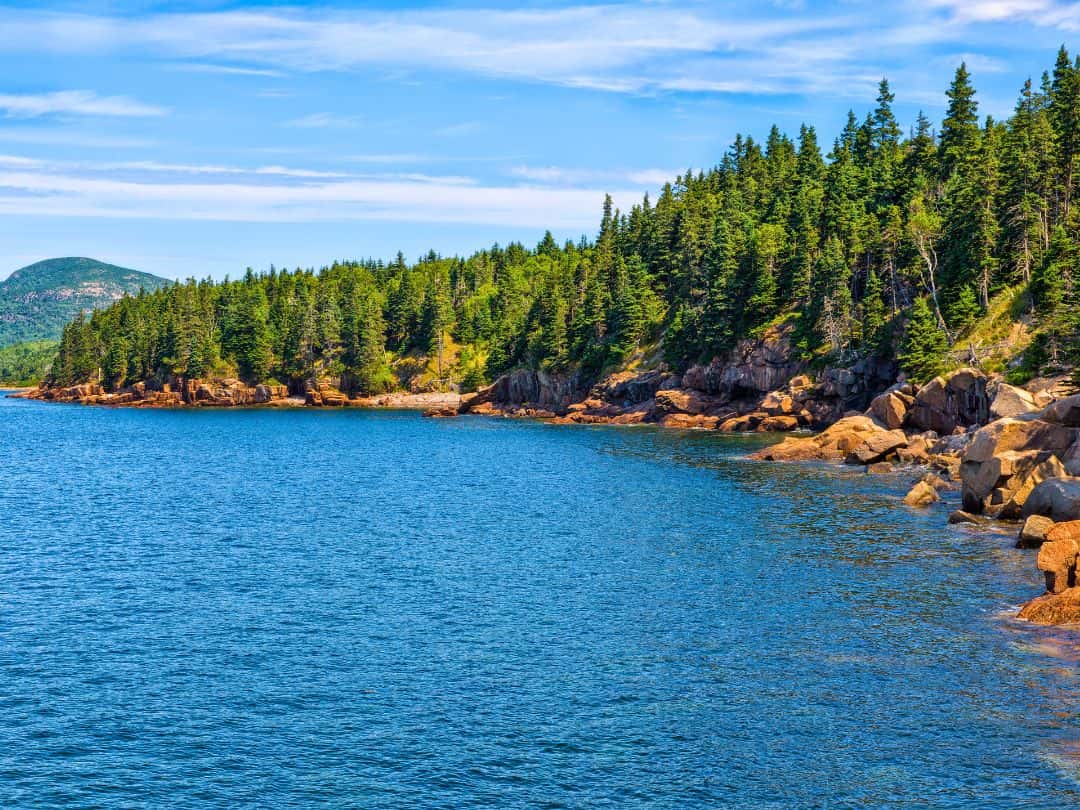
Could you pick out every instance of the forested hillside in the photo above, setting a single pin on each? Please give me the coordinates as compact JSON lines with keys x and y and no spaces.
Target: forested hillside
{"x":38,"y":300}
{"x":887,"y":245}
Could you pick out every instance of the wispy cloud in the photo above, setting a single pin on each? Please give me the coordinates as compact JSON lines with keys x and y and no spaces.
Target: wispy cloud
{"x":74,"y":102}
{"x":324,"y":120}
{"x":160,"y":167}
{"x":458,"y":130}
{"x":225,"y":70}
{"x":58,"y":191}
{"x":637,"y":47}
{"x":563,"y":176}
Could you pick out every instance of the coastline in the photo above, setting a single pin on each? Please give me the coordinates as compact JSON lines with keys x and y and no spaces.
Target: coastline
{"x":1012,"y":454}
{"x":227,"y":394}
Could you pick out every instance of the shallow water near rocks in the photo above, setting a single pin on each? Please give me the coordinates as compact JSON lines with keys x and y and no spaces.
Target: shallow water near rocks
{"x":346,"y":608}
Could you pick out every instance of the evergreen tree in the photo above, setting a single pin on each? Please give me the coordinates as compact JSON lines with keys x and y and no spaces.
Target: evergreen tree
{"x":923,"y":352}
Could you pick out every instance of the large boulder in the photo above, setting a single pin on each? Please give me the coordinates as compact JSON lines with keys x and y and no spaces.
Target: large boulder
{"x":683,"y":400}
{"x":1020,"y":487}
{"x":627,"y":388}
{"x":958,"y":399}
{"x":1056,"y":498}
{"x":1018,"y":435}
{"x":1033,"y":532}
{"x":689,"y":421}
{"x":777,"y":424}
{"x":1057,"y":559}
{"x":1053,"y":608}
{"x":890,"y":409}
{"x":832,"y":444}
{"x":1012,"y":401}
{"x":1064,"y":412}
{"x":980,"y":479}
{"x":1067,"y":532}
{"x":877,"y":446}
{"x":1071,"y":459}
{"x":777,"y":403}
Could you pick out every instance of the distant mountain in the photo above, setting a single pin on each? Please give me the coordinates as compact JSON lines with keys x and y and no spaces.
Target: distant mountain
{"x":36,"y":301}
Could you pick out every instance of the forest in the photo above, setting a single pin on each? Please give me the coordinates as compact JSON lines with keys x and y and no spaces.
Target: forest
{"x":890,"y":245}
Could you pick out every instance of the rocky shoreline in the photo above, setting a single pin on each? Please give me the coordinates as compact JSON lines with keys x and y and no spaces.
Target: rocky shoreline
{"x":1013,"y":453}
{"x":233,"y":393}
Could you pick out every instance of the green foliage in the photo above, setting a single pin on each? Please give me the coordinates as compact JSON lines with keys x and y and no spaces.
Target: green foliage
{"x":923,"y":353}
{"x":886,"y":235}
{"x":26,"y":363}
{"x":963,"y":310}
{"x":36,"y":301}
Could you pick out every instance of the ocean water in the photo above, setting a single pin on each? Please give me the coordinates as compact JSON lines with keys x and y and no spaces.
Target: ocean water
{"x":360,"y":609}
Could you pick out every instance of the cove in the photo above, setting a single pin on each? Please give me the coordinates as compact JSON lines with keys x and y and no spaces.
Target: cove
{"x":359,"y":608}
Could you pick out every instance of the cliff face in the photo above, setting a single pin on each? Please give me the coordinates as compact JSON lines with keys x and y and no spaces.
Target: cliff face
{"x":757,"y":382}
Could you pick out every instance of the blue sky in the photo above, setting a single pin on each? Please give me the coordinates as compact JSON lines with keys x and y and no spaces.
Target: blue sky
{"x":202,"y":138}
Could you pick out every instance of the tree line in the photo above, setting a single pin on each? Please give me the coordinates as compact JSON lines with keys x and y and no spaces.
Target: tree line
{"x":890,"y":245}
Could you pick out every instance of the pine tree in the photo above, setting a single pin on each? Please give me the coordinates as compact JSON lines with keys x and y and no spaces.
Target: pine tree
{"x":960,"y":129}
{"x":873,"y":320}
{"x":923,"y":351}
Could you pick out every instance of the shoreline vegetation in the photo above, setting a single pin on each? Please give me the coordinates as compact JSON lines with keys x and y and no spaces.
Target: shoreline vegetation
{"x":914,"y":300}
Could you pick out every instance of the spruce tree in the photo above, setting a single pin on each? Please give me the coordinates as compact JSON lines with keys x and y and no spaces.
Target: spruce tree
{"x":922,"y":355}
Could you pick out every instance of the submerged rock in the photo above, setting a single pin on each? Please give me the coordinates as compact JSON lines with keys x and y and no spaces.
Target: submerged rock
{"x":960,"y":516}
{"x":922,"y":494}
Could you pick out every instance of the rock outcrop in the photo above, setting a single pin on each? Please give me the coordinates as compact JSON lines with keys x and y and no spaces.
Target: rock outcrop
{"x":891,"y":408}
{"x":752,"y":368}
{"x":959,"y":399}
{"x":834,"y":443}
{"x":1004,"y":450}
{"x":1055,"y":498}
{"x":1053,"y":608}
{"x":323,"y":394}
{"x":211,"y":392}
{"x":1012,"y":401}
{"x":1064,"y":411}
{"x":1033,"y":532}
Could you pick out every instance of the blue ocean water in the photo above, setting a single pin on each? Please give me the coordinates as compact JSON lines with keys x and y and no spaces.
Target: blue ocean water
{"x":369,"y":609}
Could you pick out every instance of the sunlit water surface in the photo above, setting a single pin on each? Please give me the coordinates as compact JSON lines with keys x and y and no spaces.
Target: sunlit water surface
{"x":300,"y":608}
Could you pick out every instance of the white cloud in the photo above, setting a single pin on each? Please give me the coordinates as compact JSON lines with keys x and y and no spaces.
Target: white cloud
{"x":637,"y":47}
{"x":458,"y":130}
{"x":20,"y":162}
{"x":74,"y":102}
{"x":563,"y":176}
{"x":994,"y":10}
{"x":324,"y":120}
{"x":640,"y":47}
{"x":410,"y":198}
{"x":225,"y":70}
